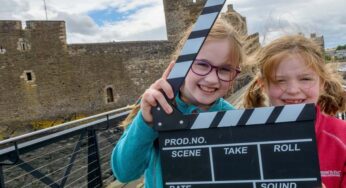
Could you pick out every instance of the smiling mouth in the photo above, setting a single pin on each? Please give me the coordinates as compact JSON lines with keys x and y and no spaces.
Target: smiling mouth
{"x":293,"y":101}
{"x":207,"y":89}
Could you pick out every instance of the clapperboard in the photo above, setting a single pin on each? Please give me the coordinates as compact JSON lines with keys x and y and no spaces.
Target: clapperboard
{"x":270,"y":147}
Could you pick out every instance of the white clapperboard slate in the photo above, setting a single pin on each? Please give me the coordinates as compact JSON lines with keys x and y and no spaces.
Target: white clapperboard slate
{"x":271,"y":147}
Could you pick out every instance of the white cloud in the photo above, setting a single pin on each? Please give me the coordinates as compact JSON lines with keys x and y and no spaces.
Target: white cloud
{"x":8,"y":7}
{"x":144,"y":20}
{"x":78,"y":6}
{"x":271,"y":18}
{"x":127,"y":5}
{"x":147,"y":23}
{"x":78,"y":23}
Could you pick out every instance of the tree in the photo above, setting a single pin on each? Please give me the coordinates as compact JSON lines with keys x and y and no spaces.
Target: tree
{"x":341,"y":47}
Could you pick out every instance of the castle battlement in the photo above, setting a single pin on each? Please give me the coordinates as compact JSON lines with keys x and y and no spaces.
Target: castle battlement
{"x":8,"y":26}
{"x":37,"y":24}
{"x":16,"y":25}
{"x":36,"y":35}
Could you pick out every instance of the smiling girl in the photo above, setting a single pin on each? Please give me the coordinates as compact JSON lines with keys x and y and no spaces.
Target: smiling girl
{"x":209,"y":79}
{"x":292,"y":71}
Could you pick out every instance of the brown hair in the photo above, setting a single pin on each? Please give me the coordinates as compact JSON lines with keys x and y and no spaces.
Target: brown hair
{"x":331,"y":100}
{"x":220,"y":30}
{"x":223,"y":30}
{"x":134,"y":110}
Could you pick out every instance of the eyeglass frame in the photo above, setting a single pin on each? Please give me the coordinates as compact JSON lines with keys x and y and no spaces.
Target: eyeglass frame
{"x":237,"y":71}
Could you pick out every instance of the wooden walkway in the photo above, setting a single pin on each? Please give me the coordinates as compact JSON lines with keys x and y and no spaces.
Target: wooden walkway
{"x":134,"y":184}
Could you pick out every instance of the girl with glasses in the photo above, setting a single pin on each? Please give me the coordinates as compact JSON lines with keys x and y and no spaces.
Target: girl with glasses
{"x":209,"y":79}
{"x":292,"y":71}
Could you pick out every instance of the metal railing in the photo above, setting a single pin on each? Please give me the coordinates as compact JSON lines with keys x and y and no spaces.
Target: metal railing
{"x":73,"y":154}
{"x":341,"y":116}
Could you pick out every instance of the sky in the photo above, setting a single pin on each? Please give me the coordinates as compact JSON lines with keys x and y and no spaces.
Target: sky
{"x":95,"y":21}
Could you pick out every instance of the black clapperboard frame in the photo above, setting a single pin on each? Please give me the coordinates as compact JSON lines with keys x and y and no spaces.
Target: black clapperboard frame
{"x":270,"y":147}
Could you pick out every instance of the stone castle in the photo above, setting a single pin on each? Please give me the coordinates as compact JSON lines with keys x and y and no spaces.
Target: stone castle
{"x":43,"y":77}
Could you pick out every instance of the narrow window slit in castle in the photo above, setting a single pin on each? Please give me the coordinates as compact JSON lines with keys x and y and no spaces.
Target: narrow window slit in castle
{"x":28,"y":76}
{"x":110,"y":96}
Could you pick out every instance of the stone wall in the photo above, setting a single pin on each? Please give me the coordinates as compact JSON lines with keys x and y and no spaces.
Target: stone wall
{"x":43,"y":77}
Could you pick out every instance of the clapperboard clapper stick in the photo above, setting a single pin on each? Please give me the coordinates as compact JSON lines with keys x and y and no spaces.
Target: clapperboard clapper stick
{"x":270,"y":147}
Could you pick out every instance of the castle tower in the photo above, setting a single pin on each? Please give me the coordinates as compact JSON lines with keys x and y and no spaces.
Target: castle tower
{"x":319,"y":40}
{"x":251,"y":42}
{"x":235,"y":19}
{"x":180,"y":14}
{"x":46,"y":34}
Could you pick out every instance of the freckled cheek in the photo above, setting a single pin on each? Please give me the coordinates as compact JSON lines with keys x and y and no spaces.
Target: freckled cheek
{"x":274,"y":92}
{"x":192,"y":77}
{"x":274,"y":95}
{"x":313,"y":93}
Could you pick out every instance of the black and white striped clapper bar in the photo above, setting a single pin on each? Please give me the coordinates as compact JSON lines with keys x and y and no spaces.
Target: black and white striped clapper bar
{"x":271,"y":147}
{"x":194,"y":43}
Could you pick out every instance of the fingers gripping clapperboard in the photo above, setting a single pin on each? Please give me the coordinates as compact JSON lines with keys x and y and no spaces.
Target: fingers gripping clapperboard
{"x":271,"y":147}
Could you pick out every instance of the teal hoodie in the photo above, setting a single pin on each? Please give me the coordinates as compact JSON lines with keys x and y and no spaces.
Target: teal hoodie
{"x":135,"y":154}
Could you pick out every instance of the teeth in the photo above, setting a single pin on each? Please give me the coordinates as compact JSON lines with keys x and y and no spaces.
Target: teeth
{"x":207,"y":89}
{"x":296,"y":101}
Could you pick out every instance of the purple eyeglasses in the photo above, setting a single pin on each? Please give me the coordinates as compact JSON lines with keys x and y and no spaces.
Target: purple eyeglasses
{"x":203,"y":68}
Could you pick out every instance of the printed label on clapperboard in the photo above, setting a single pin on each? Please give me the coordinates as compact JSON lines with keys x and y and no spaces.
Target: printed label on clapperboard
{"x":224,"y":157}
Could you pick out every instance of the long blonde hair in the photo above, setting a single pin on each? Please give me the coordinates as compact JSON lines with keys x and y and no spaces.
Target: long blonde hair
{"x":220,"y":30}
{"x":331,"y":100}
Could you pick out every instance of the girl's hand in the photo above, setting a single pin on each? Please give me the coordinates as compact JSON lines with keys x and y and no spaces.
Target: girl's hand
{"x":153,"y":95}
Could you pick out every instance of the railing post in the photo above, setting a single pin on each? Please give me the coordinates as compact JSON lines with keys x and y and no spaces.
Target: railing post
{"x":2,"y":181}
{"x":72,"y":159}
{"x":94,"y":167}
